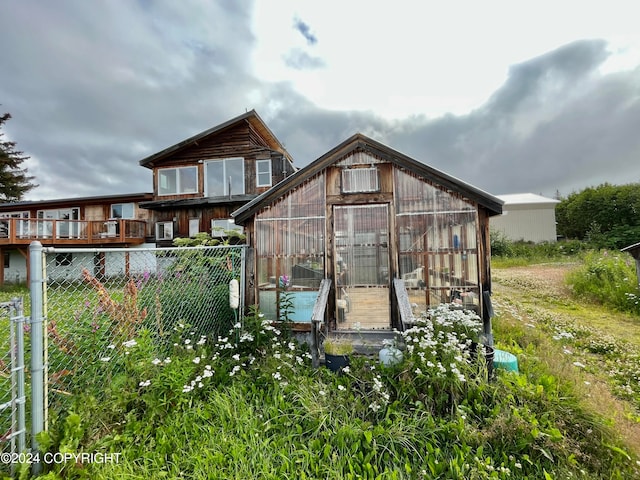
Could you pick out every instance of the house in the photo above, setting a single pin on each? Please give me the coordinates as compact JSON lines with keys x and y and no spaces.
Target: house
{"x":198,"y":182}
{"x":87,"y":222}
{"x":527,"y":217}
{"x":361,"y":216}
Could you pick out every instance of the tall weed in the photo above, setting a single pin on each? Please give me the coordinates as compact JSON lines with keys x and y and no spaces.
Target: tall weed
{"x":608,"y":278}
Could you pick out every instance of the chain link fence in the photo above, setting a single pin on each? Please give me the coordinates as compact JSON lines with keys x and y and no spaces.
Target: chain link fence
{"x":97,"y":302}
{"x":12,"y":384}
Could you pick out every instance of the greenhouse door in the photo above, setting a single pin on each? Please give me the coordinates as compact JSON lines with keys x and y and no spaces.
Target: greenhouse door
{"x":362,"y":266}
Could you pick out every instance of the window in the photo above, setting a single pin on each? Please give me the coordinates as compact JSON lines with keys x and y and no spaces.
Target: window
{"x":194,"y":226}
{"x":64,"y":259}
{"x":356,"y":180}
{"x":219,"y":228}
{"x":178,"y":181}
{"x":122,"y":210}
{"x":224,"y":177}
{"x":263,"y":173}
{"x":164,"y":231}
{"x":7,"y":259}
{"x":22,"y":227}
{"x":62,"y":223}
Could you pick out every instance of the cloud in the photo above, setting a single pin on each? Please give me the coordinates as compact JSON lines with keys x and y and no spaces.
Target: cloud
{"x":555,"y":124}
{"x":304,"y":29}
{"x":104,"y":85}
{"x":300,"y":60}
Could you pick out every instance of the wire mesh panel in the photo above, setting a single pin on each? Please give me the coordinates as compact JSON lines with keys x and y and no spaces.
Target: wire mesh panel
{"x":98,"y":302}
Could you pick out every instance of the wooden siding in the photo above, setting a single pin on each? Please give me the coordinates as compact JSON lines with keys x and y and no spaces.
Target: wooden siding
{"x":181,"y":217}
{"x":242,"y":140}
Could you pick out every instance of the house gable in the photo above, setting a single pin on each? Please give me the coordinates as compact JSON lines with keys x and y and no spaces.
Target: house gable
{"x":359,"y":143}
{"x":205,"y":177}
{"x":253,"y":131}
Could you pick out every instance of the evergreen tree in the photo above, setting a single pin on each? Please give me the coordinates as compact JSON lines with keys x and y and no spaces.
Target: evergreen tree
{"x":14,"y":181}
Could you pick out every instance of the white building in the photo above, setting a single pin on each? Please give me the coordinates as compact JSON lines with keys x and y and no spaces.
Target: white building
{"x":528,"y":217}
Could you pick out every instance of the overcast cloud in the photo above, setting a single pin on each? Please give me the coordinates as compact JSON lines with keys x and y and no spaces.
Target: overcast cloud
{"x":94,"y":87}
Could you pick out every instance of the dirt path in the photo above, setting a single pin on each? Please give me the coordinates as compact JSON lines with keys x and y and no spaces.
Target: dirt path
{"x":543,"y":289}
{"x":537,"y":297}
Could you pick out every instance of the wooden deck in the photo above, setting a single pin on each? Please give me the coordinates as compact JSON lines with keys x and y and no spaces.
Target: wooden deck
{"x":368,"y":309}
{"x":23,"y":231}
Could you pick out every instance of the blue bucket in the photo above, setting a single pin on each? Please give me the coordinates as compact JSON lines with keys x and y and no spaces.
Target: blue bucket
{"x":505,"y":360}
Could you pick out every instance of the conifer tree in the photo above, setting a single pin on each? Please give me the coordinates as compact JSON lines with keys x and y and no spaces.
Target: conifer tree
{"x":14,"y":180}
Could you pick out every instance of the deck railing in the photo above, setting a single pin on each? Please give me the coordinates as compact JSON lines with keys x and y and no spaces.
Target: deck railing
{"x":22,"y":231}
{"x":317,"y":318}
{"x":404,"y":305}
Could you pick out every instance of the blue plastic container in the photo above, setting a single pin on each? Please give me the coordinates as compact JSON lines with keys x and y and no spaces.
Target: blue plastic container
{"x":505,"y":360}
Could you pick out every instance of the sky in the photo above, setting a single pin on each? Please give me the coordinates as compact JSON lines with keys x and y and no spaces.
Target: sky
{"x":509,"y":96}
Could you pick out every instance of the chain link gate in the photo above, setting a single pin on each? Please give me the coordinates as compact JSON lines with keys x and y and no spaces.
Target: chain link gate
{"x":98,"y":301}
{"x":12,"y":385}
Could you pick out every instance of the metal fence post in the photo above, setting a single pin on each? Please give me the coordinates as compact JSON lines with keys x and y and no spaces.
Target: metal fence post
{"x":18,"y":313}
{"x":37,"y":352}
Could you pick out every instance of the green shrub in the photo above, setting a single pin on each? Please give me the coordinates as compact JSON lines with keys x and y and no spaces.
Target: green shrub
{"x":508,"y":252}
{"x":608,"y":278}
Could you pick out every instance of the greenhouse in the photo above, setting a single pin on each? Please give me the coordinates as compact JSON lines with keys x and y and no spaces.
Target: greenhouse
{"x":362,"y":216}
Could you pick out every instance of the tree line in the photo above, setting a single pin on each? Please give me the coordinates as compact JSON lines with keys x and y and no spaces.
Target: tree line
{"x":607,"y":216}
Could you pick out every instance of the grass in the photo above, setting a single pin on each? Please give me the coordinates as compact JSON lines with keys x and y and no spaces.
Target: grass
{"x":248,"y":405}
{"x":590,"y":345}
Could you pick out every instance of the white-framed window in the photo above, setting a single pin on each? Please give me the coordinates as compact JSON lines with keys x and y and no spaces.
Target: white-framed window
{"x":66,"y":222}
{"x":164,"y":231}
{"x":194,"y":226}
{"x":219,"y":228}
{"x":178,"y":180}
{"x":224,"y":177}
{"x":122,"y":210}
{"x":64,"y":259}
{"x":263,"y":173}
{"x":360,"y":180}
